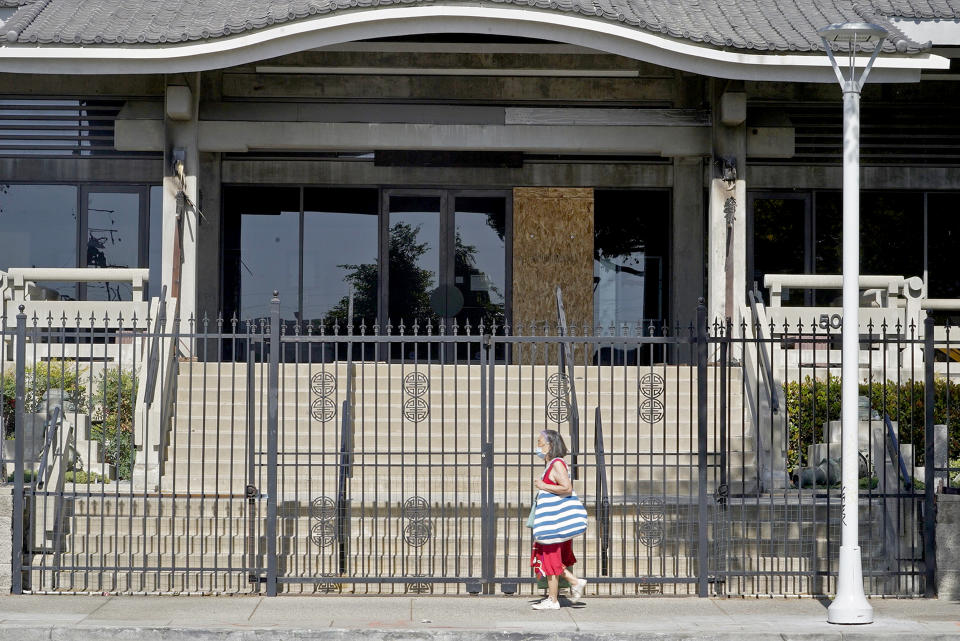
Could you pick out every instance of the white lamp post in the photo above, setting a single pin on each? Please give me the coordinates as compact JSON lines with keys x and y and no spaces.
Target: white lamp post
{"x":850,"y":604}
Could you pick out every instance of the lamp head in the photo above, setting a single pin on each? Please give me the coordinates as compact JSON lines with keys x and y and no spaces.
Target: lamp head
{"x":847,"y":32}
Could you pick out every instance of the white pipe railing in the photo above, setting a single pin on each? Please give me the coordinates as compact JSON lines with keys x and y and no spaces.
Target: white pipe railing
{"x":21,"y":278}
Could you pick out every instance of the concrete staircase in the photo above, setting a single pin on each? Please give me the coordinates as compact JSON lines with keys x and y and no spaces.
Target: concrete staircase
{"x":415,"y":499}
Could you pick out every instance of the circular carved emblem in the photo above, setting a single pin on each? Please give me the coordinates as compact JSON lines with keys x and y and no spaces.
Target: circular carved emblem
{"x":651,"y":410}
{"x":557,"y":411}
{"x":416,"y":508}
{"x":416,"y":384}
{"x":558,"y":385}
{"x":323,"y":533}
{"x":417,"y":533}
{"x":323,"y":384}
{"x":651,"y":385}
{"x":650,"y":533}
{"x":323,"y":508}
{"x":416,"y":409}
{"x":323,"y":409}
{"x":650,"y":508}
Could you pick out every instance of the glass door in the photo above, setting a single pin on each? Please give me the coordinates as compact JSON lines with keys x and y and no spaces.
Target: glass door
{"x":447,"y":258}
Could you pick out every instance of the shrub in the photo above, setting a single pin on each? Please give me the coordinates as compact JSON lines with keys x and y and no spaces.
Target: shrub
{"x":811,"y":403}
{"x":116,"y":393}
{"x":60,"y":374}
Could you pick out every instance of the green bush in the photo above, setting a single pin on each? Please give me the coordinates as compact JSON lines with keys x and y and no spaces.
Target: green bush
{"x":116,"y":392}
{"x":81,"y":476}
{"x":60,"y":374}
{"x":811,"y":403}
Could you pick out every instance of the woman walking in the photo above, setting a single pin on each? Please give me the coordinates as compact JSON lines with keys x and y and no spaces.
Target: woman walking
{"x":553,"y":560}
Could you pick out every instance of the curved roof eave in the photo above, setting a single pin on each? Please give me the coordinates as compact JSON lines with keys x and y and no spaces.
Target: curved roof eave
{"x":383,"y":22}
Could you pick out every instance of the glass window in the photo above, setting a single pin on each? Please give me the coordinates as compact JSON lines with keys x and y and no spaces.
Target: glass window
{"x":891,"y":233}
{"x":38,"y":228}
{"x":779,"y":242}
{"x":113,"y":240}
{"x":340,"y":231}
{"x":943,"y":246}
{"x":630,"y":248}
{"x":414,"y":239}
{"x":261,"y":250}
{"x":480,"y":258}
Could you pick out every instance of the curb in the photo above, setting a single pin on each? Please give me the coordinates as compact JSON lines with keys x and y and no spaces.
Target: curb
{"x":98,"y":633}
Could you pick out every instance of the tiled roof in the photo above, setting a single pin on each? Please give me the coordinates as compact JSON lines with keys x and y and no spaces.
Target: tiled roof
{"x":758,"y":25}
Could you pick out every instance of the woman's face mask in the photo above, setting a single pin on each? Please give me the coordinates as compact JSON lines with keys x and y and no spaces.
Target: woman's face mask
{"x":539,"y":453}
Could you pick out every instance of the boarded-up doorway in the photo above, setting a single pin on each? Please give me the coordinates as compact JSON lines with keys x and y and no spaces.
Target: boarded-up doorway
{"x":552,"y":245}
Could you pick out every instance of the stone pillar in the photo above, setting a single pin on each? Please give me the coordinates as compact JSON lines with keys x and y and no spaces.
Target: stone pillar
{"x":728,"y":256}
{"x":687,"y":244}
{"x":6,"y":537}
{"x":728,"y":195}
{"x":181,"y":194}
{"x":948,"y":546}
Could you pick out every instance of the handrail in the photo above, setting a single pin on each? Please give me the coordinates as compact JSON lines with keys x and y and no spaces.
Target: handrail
{"x":566,"y":363}
{"x":22,"y":277}
{"x":766,"y":370}
{"x":603,"y":497}
{"x":153,"y":362}
{"x":53,"y":424}
{"x":893,"y":443}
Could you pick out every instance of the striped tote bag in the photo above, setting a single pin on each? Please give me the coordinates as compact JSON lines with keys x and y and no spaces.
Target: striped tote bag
{"x":558,"y":518}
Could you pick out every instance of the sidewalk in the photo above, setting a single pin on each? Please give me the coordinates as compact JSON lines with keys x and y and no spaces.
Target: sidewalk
{"x":78,"y":618}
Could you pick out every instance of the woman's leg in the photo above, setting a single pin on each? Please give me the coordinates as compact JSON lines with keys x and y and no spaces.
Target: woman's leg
{"x":553,"y":587}
{"x":570,"y":576}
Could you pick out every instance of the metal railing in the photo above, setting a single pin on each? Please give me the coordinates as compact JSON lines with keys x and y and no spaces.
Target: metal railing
{"x":315,"y":458}
{"x":50,"y":433}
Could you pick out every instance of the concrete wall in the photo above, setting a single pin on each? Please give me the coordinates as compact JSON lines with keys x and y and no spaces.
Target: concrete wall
{"x":948,"y":546}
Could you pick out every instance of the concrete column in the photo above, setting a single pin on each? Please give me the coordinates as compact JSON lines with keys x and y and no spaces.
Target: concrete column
{"x":208,"y":249}
{"x":180,"y":227}
{"x":728,"y":253}
{"x":948,"y":546}
{"x":6,"y":537}
{"x":727,"y":228}
{"x":687,"y":242}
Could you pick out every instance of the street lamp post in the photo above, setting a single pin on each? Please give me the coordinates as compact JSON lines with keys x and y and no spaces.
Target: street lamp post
{"x":850,"y":605}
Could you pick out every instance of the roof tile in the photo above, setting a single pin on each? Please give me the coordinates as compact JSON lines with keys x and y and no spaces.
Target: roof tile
{"x":764,"y":25}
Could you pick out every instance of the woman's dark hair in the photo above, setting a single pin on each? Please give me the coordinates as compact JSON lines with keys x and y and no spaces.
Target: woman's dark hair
{"x":556,"y":448}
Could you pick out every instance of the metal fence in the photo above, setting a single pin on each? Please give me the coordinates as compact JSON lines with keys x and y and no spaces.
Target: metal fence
{"x":282,"y":457}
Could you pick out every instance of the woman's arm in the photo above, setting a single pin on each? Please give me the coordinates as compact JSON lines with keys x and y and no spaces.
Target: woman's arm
{"x":558,"y":474}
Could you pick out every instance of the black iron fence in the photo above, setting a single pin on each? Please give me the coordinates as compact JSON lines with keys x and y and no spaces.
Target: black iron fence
{"x":281,"y":457}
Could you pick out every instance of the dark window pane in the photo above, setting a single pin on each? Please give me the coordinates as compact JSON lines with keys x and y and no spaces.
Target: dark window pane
{"x":261,"y":250}
{"x":943,"y":247}
{"x":339,"y":252}
{"x":414,"y":238}
{"x":778,"y":242}
{"x":630,"y":250}
{"x":891,"y":236}
{"x":480,"y":258}
{"x":38,"y":228}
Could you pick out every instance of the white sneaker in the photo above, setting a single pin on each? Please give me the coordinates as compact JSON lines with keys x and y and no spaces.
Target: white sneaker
{"x":546,"y":604}
{"x":576,"y":591}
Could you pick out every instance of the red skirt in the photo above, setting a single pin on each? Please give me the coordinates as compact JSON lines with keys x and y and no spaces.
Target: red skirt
{"x":549,"y":559}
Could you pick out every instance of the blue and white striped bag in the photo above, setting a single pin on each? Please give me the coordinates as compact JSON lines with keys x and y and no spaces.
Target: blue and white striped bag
{"x":558,"y":518}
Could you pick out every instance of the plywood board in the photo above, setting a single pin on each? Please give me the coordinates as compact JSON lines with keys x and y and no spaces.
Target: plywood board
{"x":552,"y":245}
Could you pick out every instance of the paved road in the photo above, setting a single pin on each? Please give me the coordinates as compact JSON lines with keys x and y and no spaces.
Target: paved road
{"x":75,"y":618}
